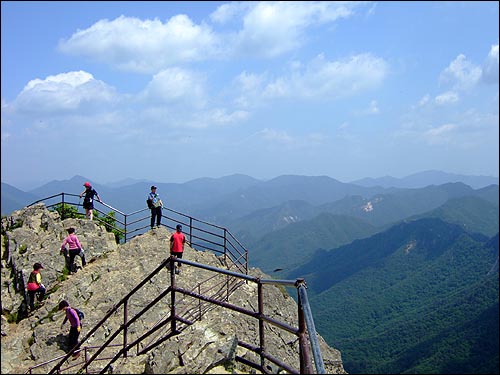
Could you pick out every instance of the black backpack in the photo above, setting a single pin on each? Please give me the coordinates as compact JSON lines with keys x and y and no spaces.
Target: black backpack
{"x":81,"y":315}
{"x":150,"y":203}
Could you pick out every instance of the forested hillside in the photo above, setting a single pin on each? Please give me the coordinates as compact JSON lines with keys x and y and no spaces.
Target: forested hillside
{"x":295,"y":244}
{"x":472,"y":213}
{"x":421,"y":297}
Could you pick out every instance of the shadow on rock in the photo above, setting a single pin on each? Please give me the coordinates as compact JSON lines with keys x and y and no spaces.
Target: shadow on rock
{"x":61,"y":340}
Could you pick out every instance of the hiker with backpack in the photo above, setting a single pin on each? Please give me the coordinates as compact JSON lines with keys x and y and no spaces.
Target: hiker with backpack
{"x":88,"y":201}
{"x":155,"y":204}
{"x":75,"y":323}
{"x":75,"y":248}
{"x":35,"y":286}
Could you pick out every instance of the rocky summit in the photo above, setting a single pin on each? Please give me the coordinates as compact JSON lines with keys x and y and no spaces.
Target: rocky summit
{"x":205,"y":340}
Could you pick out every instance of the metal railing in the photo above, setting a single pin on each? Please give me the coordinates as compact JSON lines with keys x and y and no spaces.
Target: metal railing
{"x":194,"y":303}
{"x":128,"y":335}
{"x":200,"y":234}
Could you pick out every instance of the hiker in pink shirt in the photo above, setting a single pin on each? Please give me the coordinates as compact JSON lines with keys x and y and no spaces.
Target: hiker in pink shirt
{"x":75,"y":248}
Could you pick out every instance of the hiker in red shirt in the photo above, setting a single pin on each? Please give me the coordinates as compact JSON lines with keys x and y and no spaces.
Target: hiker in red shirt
{"x":35,"y":286}
{"x":177,"y":241}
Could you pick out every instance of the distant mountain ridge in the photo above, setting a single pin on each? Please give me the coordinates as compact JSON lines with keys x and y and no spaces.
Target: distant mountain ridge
{"x":15,"y":199}
{"x":426,"y":178}
{"x":220,"y":200}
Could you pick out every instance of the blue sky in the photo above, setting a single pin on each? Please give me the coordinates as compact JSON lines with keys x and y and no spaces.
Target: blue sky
{"x":173,"y":91}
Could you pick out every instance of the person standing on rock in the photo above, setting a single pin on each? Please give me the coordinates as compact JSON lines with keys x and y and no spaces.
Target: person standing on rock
{"x":35,"y":286}
{"x":75,"y":248}
{"x":177,"y":241}
{"x":76,"y":327}
{"x":155,"y":204}
{"x":88,"y":201}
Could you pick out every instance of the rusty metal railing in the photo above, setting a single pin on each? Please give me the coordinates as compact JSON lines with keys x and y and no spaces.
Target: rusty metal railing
{"x":179,"y":316}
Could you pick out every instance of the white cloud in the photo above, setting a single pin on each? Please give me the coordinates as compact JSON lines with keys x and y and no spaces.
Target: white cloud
{"x":173,"y":98}
{"x":273,"y":28}
{"x":175,"y":85}
{"x":281,"y":138}
{"x":73,"y":79}
{"x":331,"y":79}
{"x":447,"y":98}
{"x":467,"y":130}
{"x":212,"y":117}
{"x":266,"y":29}
{"x":461,"y":74}
{"x":424,"y":100}
{"x":319,"y":79}
{"x":218,"y":117}
{"x":145,"y":46}
{"x":373,"y":108}
{"x":273,"y":135}
{"x":490,"y":67}
{"x":249,"y":86}
{"x":250,"y":82}
{"x":222,"y":117}
{"x":64,"y":92}
{"x":428,"y":134}
{"x":229,"y":12}
{"x":439,"y":135}
{"x":344,"y":126}
{"x":178,"y":97}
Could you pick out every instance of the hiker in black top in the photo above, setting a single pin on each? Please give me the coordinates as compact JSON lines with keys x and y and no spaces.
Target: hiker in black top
{"x":88,"y":201}
{"x":156,"y":205}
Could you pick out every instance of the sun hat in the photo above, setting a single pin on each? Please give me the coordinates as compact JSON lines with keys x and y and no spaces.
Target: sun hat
{"x":87,"y":184}
{"x":37,"y":266}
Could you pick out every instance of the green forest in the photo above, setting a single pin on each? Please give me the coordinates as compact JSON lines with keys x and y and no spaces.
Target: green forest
{"x":421,"y":297}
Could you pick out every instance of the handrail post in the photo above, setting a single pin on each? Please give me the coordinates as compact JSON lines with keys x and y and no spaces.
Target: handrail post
{"x":261,"y":322}
{"x":86,"y":355}
{"x":190,"y":229}
{"x":173,"y":324}
{"x":225,"y":246}
{"x":199,"y":302}
{"x":305,"y":360}
{"x":307,"y":315}
{"x":62,"y":206}
{"x":125,"y":328}
{"x":125,"y":227}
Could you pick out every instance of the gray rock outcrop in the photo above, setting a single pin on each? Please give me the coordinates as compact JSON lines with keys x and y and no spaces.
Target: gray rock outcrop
{"x":35,"y":234}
